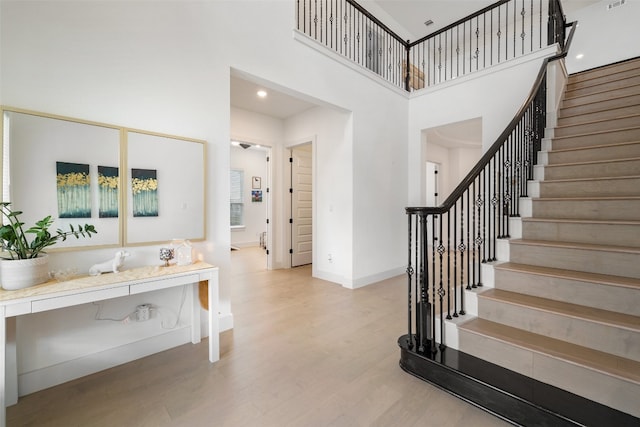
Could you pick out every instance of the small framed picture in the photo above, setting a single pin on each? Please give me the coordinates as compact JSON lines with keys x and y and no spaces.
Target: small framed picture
{"x":256,"y":196}
{"x":256,"y":182}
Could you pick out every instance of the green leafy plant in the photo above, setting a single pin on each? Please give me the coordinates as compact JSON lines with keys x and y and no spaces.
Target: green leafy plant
{"x":14,"y":237}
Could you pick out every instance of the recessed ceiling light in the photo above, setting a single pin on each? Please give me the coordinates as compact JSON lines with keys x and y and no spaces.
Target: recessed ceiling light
{"x":262,"y":93}
{"x":580,"y":56}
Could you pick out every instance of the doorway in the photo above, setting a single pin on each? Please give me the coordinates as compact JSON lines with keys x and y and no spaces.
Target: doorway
{"x":301,"y":219}
{"x":431,"y":184}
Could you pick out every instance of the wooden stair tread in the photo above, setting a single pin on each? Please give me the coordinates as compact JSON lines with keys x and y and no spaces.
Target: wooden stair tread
{"x":592,"y":314}
{"x":590,"y":122}
{"x":625,"y":369}
{"x":605,"y":279}
{"x":599,"y":178}
{"x":574,"y":97}
{"x":611,"y":70}
{"x":590,"y":147}
{"x":562,"y":113}
{"x":600,"y":132}
{"x":579,"y":246}
{"x":602,"y":87}
{"x":593,"y":198}
{"x":583,"y":221}
{"x":592,"y":162}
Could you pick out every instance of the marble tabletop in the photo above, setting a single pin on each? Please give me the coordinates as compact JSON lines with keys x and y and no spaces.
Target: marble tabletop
{"x":80,"y":283}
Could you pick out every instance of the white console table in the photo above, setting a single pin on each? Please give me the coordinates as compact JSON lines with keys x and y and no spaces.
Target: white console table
{"x":86,"y":289}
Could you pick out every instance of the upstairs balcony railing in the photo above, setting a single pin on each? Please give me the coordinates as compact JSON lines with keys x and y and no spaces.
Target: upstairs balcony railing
{"x":503,"y":31}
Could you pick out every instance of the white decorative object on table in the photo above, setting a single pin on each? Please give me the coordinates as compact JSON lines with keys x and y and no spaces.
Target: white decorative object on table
{"x":182,"y":251}
{"x":112,"y":265}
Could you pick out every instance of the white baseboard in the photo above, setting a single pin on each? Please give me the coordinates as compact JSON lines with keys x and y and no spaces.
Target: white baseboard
{"x":360,"y":282}
{"x":40,"y":379}
{"x":378,"y":277}
{"x":226,"y":322}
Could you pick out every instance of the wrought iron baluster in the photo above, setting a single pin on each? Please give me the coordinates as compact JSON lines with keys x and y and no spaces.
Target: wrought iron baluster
{"x":495,"y":200}
{"x":455,"y":262}
{"x":432,"y":288}
{"x":477,"y":52}
{"x":506,"y":32}
{"x":515,"y":27}
{"x":472,"y":243}
{"x":484,"y":40}
{"x":491,"y":38}
{"x":499,"y":33}
{"x":531,"y":29}
{"x":423,"y":284}
{"x":445,"y":54}
{"x":409,"y":281}
{"x":540,"y":23}
{"x":480,"y":239}
{"x":441,"y":291}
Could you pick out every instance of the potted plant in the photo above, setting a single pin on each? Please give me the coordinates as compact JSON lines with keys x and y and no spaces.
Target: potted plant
{"x":24,"y":263}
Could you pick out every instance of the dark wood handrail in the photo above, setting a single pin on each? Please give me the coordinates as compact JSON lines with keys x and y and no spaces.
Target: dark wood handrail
{"x":484,"y":160}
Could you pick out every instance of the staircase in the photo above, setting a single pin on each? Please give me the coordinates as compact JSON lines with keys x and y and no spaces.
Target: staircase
{"x":565,"y":309}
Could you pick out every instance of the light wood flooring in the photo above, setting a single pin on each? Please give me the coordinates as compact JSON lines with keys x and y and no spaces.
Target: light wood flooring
{"x":303,"y":352}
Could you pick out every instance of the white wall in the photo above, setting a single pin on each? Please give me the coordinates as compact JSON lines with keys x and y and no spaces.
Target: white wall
{"x":165,"y":67}
{"x":604,"y":37}
{"x":492,"y":95}
{"x":456,"y":164}
{"x":330,"y":130}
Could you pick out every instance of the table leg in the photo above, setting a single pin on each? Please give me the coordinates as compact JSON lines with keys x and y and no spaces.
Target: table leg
{"x":214,"y":320}
{"x":3,"y":366}
{"x":196,"y":336}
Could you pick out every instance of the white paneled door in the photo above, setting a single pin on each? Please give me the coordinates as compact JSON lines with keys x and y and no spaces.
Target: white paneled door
{"x":301,"y":205}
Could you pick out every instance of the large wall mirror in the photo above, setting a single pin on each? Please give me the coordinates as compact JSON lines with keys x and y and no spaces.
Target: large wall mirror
{"x":85,"y":172}
{"x":165,"y":182}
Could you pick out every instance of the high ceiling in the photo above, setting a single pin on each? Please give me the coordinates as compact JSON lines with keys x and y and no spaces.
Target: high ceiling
{"x":412,"y":14}
{"x":408,"y":14}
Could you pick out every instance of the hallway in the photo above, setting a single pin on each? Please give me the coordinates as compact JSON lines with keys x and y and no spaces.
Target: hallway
{"x":304,"y":352}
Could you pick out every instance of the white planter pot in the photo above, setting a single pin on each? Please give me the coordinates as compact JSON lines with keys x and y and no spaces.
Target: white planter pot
{"x":22,"y":273}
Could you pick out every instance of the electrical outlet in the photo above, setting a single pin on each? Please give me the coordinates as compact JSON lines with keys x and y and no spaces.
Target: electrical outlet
{"x":143,"y":312}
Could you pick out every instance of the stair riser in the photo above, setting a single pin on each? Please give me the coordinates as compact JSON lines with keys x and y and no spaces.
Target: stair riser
{"x":577,"y":232}
{"x":609,"y":71}
{"x":608,"y":78}
{"x":594,"y":170}
{"x":624,"y":209}
{"x":585,"y":128}
{"x":606,"y":389}
{"x":591,"y":188}
{"x":611,"y":339}
{"x":613,"y":298}
{"x":580,"y":109}
{"x":598,"y":115}
{"x":624,"y":151}
{"x":615,"y":83}
{"x":590,"y":261}
{"x":600,"y":97}
{"x":590,"y":140}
